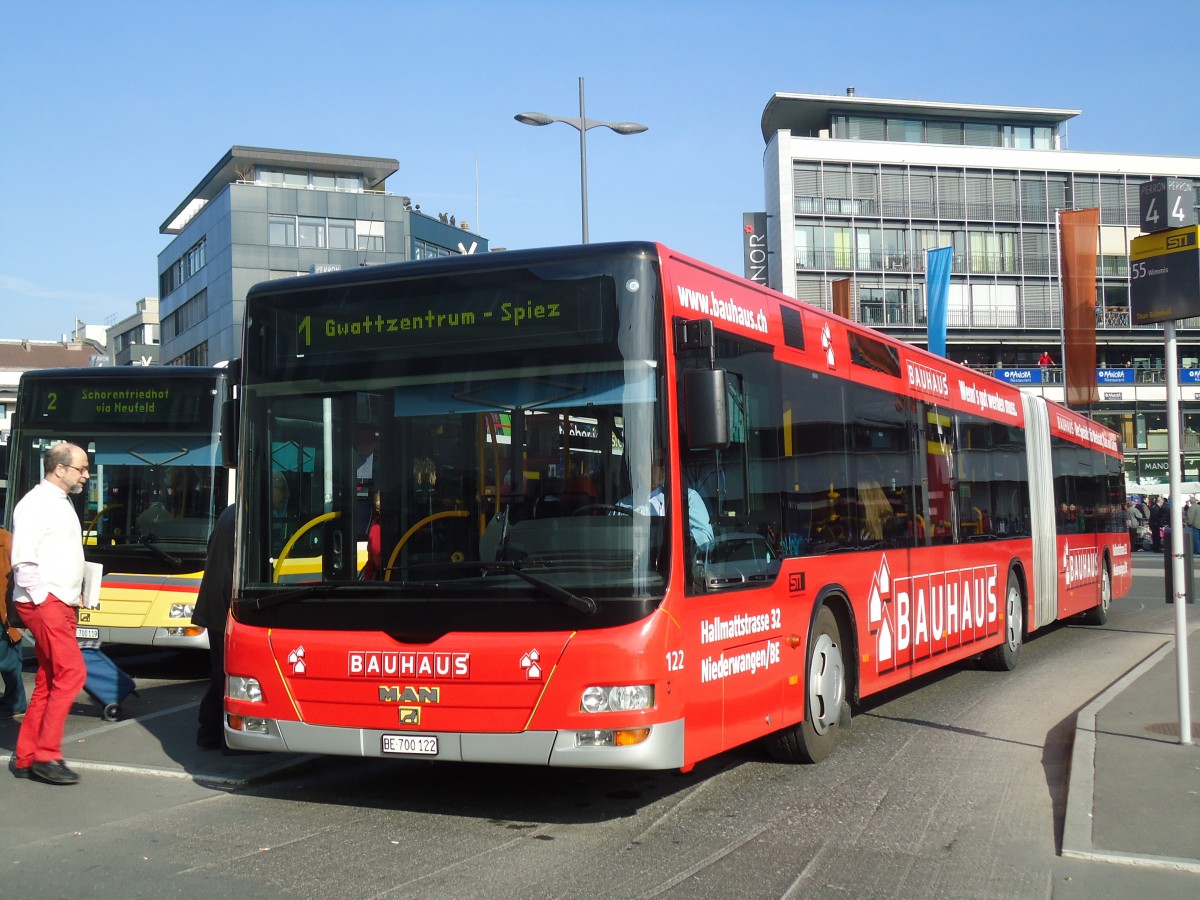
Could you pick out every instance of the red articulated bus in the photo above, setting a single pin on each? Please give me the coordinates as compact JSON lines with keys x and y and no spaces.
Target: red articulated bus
{"x":626,"y":510}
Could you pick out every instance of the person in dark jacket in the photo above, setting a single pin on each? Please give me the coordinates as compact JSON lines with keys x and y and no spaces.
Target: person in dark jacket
{"x":212,"y":609}
{"x":1158,"y":518}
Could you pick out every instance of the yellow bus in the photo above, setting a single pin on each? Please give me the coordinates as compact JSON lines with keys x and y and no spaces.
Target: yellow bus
{"x":152,"y":435}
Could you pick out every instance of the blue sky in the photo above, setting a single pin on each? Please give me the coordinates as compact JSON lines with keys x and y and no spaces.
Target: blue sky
{"x":111,"y":113}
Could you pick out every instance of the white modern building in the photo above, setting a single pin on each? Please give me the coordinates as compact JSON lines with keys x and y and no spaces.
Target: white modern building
{"x":133,"y":341}
{"x":859,"y":188}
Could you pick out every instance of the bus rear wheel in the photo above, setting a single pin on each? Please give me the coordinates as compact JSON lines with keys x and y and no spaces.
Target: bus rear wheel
{"x":1004,"y":658}
{"x":825,"y":706}
{"x":1098,"y":614}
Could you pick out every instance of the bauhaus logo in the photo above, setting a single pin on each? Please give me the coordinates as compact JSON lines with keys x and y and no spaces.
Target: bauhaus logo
{"x":924,"y":614}
{"x":1081,"y":566}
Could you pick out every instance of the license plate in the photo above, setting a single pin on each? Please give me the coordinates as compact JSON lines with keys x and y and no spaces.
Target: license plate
{"x":86,"y":634}
{"x":411,"y":744}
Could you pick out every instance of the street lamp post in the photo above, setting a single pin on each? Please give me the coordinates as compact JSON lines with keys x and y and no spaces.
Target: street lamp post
{"x":582,"y":124}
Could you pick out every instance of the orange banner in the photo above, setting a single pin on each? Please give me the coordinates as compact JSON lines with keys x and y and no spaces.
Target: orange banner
{"x":1079,"y":235}
{"x":841,"y":298}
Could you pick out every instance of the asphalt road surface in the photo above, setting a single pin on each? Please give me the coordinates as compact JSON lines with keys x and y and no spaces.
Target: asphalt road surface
{"x":953,"y":788}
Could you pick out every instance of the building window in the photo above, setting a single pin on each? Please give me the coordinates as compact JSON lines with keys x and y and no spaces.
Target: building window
{"x":182,"y":269}
{"x":425,"y":250}
{"x":909,"y":131}
{"x":297,"y":178}
{"x":197,"y":356}
{"x":311,"y":232}
{"x":341,"y":234}
{"x":981,"y":134}
{"x":369,"y":236}
{"x":192,"y":311}
{"x":281,"y":231}
{"x":944,"y":132}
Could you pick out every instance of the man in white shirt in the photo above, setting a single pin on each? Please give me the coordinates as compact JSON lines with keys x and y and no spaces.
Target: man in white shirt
{"x":48,"y":567}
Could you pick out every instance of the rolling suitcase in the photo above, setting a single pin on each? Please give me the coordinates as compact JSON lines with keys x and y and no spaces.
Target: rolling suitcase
{"x":107,"y":683}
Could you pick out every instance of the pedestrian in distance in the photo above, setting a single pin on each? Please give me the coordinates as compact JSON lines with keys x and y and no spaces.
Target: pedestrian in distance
{"x":14,"y":701}
{"x":48,"y":566}
{"x":1158,"y":521}
{"x":212,"y":609}
{"x":1193,"y":521}
{"x":1134,"y":519}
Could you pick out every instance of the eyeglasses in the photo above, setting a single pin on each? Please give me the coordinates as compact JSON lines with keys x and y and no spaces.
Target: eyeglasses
{"x":82,"y":471}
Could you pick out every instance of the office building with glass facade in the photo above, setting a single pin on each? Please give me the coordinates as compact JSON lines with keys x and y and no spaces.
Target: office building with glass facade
{"x":859,"y":188}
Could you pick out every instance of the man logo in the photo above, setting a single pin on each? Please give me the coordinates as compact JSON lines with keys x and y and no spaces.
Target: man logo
{"x":410,"y":715}
{"x":394,"y":693}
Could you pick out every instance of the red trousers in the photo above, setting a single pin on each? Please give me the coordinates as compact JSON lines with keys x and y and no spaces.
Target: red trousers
{"x":60,"y":677}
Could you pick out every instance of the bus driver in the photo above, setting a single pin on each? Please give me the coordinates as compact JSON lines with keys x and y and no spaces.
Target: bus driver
{"x":655,"y":505}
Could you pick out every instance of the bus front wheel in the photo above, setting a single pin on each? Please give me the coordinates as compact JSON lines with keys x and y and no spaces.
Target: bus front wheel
{"x":825,"y":706}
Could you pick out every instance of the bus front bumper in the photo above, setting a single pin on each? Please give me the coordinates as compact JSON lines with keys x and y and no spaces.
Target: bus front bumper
{"x":662,"y":748}
{"x":172,"y":637}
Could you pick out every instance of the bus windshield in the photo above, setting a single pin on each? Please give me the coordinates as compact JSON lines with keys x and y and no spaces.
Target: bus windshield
{"x":473,"y":455}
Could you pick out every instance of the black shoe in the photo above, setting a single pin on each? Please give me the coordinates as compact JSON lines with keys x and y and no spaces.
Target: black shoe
{"x":53,"y":772}
{"x":20,"y":771}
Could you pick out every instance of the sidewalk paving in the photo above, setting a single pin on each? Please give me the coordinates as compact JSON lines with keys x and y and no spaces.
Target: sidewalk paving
{"x":1134,"y":791}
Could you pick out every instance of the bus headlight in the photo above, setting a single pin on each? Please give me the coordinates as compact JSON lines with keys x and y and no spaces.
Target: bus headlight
{"x":239,"y":687}
{"x":249,"y":724}
{"x":618,"y":698}
{"x":182,"y":610}
{"x":623,"y":737}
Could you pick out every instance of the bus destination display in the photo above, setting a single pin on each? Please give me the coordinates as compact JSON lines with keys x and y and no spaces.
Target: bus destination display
{"x":114,"y":402}
{"x":471,"y":319}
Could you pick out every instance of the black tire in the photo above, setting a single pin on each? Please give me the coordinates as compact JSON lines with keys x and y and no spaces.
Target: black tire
{"x":825,"y":706}
{"x":1098,"y":615}
{"x":1005,"y":657}
{"x":112,"y":712}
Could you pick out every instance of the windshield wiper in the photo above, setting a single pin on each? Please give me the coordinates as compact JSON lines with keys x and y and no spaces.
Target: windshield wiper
{"x":585,"y":605}
{"x":148,"y":541}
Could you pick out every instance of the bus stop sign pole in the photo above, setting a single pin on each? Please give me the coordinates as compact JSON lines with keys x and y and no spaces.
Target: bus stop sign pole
{"x":1175,"y":512}
{"x":1164,"y":286}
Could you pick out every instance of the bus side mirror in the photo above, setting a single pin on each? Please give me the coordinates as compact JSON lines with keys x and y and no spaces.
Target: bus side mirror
{"x":706,"y":407}
{"x":230,"y":410}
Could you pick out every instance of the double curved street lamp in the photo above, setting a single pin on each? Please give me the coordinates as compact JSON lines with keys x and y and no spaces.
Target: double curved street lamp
{"x":582,"y":125}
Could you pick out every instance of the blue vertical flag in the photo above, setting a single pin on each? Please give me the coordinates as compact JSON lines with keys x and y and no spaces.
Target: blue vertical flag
{"x":937,"y":295}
